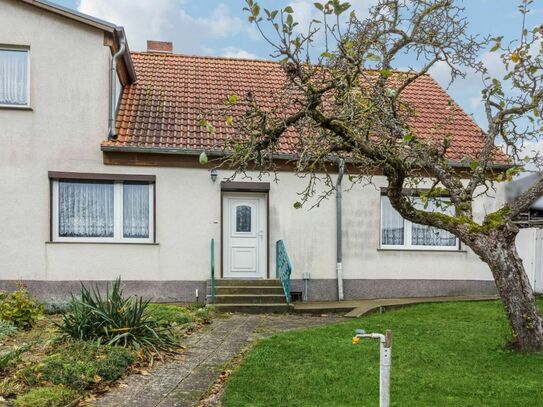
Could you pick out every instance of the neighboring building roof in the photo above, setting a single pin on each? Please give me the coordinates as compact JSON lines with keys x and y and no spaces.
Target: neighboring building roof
{"x":116,"y":31}
{"x":520,"y":185}
{"x":161,"y":111}
{"x":532,"y":217}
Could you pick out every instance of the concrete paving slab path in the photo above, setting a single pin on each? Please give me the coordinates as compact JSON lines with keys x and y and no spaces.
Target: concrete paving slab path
{"x":182,"y":381}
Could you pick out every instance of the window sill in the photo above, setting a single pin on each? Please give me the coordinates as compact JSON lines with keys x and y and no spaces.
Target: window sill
{"x":111,"y":243}
{"x":15,"y":107}
{"x":383,"y":249}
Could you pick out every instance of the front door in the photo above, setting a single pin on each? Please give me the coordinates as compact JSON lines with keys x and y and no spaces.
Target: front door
{"x":244,"y":235}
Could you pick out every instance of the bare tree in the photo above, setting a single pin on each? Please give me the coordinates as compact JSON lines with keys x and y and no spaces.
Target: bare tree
{"x":348,"y":101}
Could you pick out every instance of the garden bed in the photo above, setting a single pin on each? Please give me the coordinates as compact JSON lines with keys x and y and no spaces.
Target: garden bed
{"x":43,"y":366}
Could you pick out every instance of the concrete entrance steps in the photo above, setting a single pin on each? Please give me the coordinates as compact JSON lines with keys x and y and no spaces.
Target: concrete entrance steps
{"x":248,"y":296}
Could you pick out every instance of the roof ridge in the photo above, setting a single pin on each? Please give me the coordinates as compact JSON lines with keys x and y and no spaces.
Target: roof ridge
{"x":221,"y":58}
{"x":170,"y":55}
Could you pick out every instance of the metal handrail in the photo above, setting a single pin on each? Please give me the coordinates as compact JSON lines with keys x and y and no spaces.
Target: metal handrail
{"x":212,"y":271}
{"x":283,"y":267}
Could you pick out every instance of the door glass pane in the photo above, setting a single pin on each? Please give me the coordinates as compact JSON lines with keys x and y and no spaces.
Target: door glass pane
{"x":136,"y":210}
{"x":243,"y":218}
{"x":85,"y":209}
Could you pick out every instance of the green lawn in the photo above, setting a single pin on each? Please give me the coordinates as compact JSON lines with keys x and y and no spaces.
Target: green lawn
{"x":449,"y":354}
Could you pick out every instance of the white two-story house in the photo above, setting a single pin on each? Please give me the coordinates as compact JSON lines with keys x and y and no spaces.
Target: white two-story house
{"x":100,"y":176}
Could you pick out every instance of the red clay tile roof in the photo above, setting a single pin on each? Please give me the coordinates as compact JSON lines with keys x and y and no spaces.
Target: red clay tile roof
{"x":162,"y":109}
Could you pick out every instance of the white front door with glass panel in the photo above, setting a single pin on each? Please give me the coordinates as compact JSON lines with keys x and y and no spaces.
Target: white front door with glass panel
{"x":244,"y":235}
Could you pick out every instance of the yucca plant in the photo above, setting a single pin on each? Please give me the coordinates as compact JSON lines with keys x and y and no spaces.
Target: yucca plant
{"x":116,"y":320}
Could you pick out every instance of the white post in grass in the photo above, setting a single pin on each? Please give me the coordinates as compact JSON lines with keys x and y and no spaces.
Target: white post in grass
{"x":385,"y":342}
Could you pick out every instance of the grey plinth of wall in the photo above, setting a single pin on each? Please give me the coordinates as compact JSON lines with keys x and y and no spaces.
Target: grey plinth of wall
{"x":158,"y":291}
{"x":326,"y":289}
{"x":318,"y":289}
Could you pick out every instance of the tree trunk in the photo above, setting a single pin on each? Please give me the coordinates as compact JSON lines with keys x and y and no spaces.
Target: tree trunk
{"x":515,"y":291}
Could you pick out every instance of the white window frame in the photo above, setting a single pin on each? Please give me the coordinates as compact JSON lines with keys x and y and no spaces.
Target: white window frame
{"x":28,"y":58}
{"x":407,"y":235}
{"x":118,"y":232}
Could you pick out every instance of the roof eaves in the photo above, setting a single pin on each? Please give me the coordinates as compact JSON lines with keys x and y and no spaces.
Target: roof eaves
{"x":160,"y":150}
{"x":495,"y":166}
{"x":181,"y":151}
{"x":221,"y":153}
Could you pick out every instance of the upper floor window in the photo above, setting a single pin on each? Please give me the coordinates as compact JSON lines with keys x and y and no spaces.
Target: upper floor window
{"x":103,"y":210}
{"x":399,"y":233}
{"x":14,"y":77}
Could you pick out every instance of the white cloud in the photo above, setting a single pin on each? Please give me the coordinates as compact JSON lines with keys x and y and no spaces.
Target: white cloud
{"x":467,"y":91}
{"x":491,"y":60}
{"x":532,"y":149}
{"x":221,"y":23}
{"x":475,"y":102}
{"x":441,"y":73}
{"x":234,"y":52}
{"x":304,"y":12}
{"x":166,"y":20}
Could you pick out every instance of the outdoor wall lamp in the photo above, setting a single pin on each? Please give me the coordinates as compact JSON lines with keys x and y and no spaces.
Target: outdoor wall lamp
{"x":214,"y":174}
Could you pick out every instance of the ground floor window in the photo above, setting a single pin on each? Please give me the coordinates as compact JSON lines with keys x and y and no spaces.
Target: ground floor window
{"x":399,"y":233}
{"x":102,"y":210}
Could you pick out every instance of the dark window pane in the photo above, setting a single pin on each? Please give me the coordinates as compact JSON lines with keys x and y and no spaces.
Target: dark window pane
{"x":243,"y":219}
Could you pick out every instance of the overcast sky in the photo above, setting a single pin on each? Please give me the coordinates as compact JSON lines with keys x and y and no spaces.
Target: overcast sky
{"x":220,"y":28}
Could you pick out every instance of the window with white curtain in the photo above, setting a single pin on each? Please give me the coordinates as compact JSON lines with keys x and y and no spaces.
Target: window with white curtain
{"x":399,"y":233}
{"x":136,"y":214}
{"x":14,"y":77}
{"x":114,"y":211}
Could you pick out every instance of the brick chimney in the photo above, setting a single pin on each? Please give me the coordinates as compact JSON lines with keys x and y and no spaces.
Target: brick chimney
{"x":160,"y":46}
